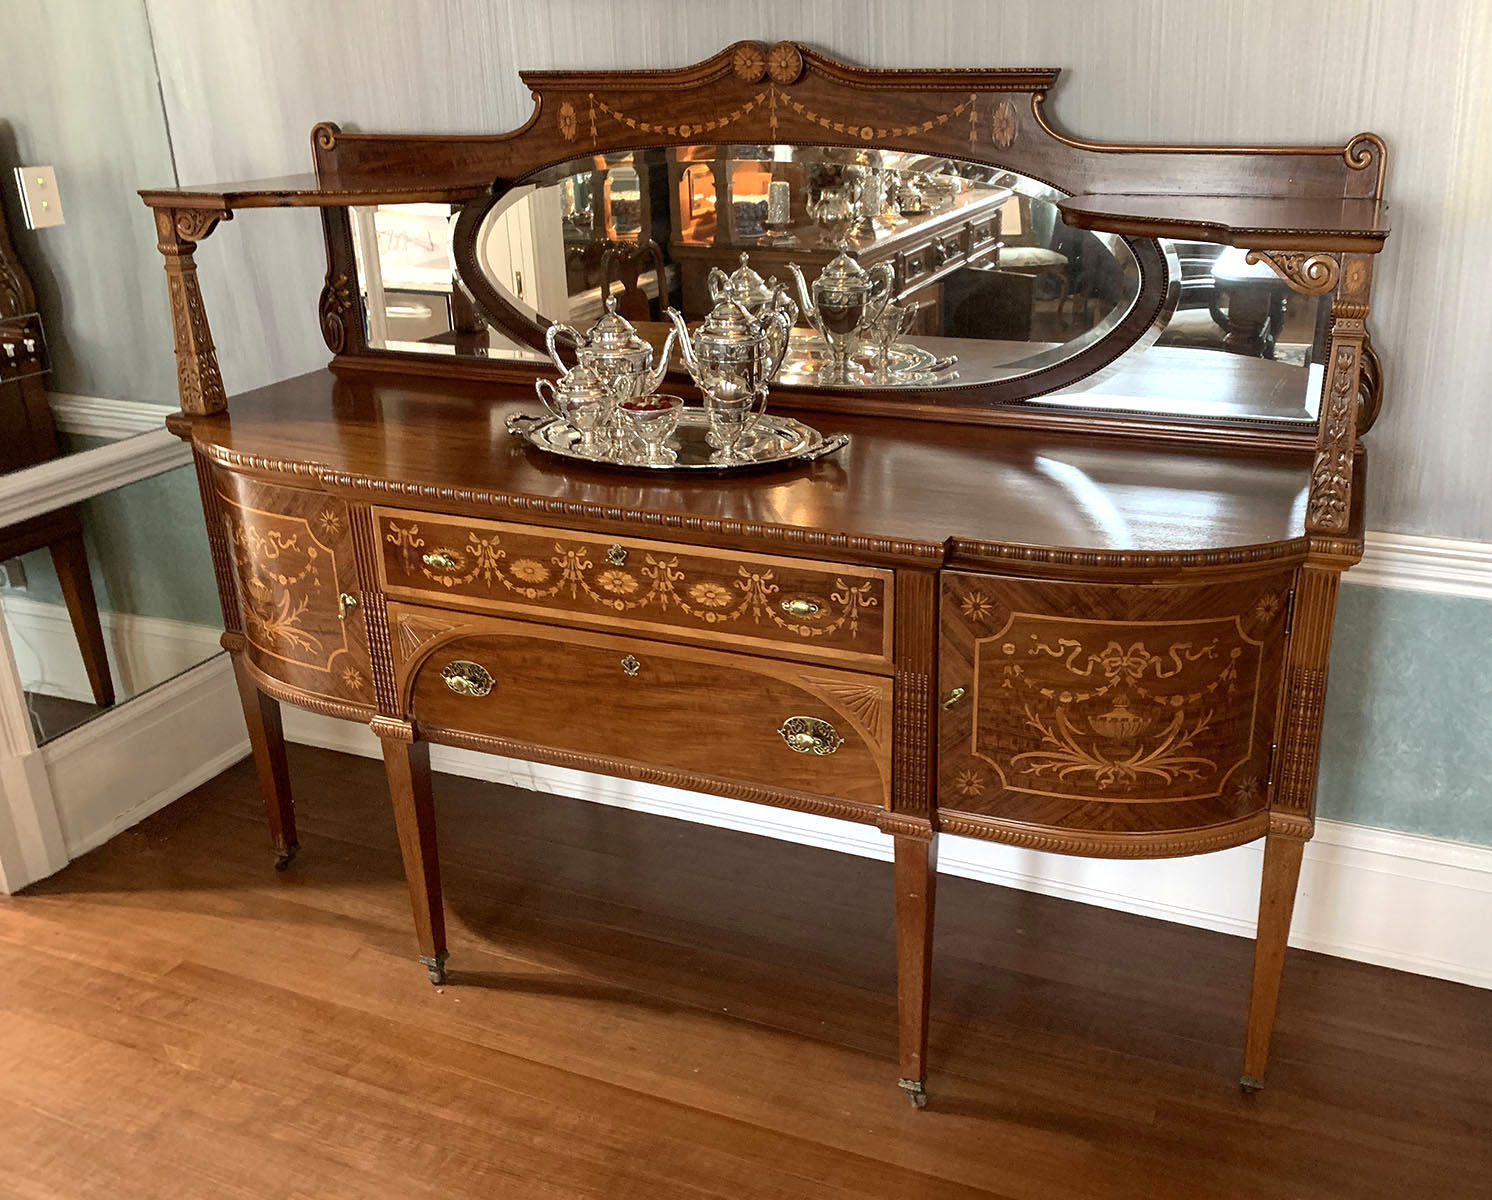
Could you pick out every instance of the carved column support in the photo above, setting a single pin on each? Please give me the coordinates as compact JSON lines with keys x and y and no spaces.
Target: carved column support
{"x":197,"y":376}
{"x":1329,"y":507}
{"x":376,"y":622}
{"x":222,"y":555}
{"x":914,"y":727}
{"x":1309,"y":654}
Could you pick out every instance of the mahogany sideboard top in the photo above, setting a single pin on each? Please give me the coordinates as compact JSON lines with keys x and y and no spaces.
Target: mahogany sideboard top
{"x":903,"y":489}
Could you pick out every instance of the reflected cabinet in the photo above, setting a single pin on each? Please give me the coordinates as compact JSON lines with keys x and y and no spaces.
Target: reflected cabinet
{"x":1064,"y":578}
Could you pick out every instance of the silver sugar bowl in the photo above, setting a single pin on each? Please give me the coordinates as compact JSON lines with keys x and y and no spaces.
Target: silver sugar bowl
{"x":844,"y":296}
{"x":583,"y":400}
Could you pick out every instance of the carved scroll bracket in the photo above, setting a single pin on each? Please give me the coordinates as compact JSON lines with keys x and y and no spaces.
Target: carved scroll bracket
{"x":1329,"y":508}
{"x":198,"y":379}
{"x":1369,"y":386}
{"x":1305,"y":272}
{"x":336,"y":304}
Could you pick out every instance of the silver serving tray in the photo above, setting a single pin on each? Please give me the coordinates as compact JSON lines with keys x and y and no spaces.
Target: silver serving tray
{"x":774,"y":441}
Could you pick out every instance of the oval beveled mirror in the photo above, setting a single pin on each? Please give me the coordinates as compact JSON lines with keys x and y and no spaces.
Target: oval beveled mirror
{"x":969,"y":274}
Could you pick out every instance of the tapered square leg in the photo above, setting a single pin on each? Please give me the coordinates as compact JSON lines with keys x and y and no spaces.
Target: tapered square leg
{"x":1282,"y":854}
{"x":408,"y":767}
{"x":916,"y":885}
{"x":70,"y":560}
{"x":261,"y":714}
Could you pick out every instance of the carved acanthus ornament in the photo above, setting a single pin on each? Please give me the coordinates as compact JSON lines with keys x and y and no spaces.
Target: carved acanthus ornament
{"x":336,"y":303}
{"x":1329,"y":508}
{"x":1307,"y":273}
{"x":198,"y":379}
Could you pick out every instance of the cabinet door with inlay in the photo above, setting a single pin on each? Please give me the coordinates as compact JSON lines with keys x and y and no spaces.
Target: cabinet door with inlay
{"x":297,"y":587}
{"x":1123,"y":719}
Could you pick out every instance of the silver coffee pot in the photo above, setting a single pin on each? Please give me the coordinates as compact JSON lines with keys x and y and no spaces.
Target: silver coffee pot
{"x":614,"y":350}
{"x":843,"y":296}
{"x":735,"y":348}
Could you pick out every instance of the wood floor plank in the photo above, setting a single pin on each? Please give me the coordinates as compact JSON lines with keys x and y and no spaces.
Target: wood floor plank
{"x":643,"y":1007}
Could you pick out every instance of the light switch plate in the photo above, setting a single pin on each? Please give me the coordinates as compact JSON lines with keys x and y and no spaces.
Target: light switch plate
{"x":40,"y":203}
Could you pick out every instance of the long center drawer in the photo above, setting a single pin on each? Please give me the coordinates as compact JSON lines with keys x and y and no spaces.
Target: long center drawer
{"x":836,"y":613}
{"x":609,"y":699}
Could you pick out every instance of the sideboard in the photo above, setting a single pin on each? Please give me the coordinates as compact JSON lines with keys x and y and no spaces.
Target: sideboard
{"x":1081,"y":603}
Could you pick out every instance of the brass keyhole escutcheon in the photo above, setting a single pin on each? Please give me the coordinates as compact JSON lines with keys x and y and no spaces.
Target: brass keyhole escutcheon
{"x":616,"y":555}
{"x":810,"y":735}
{"x":467,"y":678}
{"x":954,"y":697}
{"x":440,"y":560}
{"x":630,"y":666}
{"x":345,"y":602}
{"x":799,"y":607}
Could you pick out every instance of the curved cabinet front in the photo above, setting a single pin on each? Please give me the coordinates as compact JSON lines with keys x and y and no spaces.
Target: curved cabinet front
{"x":750,"y":727}
{"x":296,"y":580}
{"x":1110,"y":718}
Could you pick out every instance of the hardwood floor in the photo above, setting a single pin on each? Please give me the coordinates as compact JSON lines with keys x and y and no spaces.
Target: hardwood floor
{"x":642,"y":1007}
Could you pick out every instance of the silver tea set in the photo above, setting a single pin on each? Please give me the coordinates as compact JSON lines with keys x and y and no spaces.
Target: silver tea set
{"x":610,"y":397}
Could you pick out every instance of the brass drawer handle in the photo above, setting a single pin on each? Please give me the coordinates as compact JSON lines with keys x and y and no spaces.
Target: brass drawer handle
{"x":345,"y":602}
{"x":467,"y":678}
{"x":616,"y":555}
{"x":799,"y":607}
{"x":809,"y":735}
{"x":954,"y":697}
{"x":630,"y":666}
{"x":440,"y":560}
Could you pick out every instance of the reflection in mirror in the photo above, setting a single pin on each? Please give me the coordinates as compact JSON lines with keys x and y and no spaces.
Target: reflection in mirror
{"x":28,"y":430}
{"x":985,"y":281}
{"x":120,"y":599}
{"x":1236,"y":343}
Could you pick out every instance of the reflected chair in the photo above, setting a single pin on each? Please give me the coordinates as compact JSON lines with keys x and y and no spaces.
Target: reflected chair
{"x":28,"y":437}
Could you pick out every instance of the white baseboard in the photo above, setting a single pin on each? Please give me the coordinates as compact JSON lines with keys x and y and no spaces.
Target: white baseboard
{"x":126,"y":764}
{"x":1413,"y":903}
{"x":1444,"y":566}
{"x":143,"y":651}
{"x":102,"y":417}
{"x":132,"y":761}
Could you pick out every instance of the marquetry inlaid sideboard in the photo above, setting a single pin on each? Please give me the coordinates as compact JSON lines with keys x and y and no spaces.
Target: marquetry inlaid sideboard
{"x":1082,"y":605}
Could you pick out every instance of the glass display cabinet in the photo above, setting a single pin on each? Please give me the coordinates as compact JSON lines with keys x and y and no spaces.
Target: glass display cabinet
{"x":1064,"y":579}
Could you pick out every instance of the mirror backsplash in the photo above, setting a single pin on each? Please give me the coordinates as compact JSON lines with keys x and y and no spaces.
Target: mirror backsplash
{"x":970,"y":276}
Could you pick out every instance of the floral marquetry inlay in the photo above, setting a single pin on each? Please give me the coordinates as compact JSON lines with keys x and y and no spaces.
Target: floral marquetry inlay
{"x":292,"y":563}
{"x":646,"y":586}
{"x":1100,"y":710}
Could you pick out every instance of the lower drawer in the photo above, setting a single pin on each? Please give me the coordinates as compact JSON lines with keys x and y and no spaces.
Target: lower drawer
{"x":709,"y":716}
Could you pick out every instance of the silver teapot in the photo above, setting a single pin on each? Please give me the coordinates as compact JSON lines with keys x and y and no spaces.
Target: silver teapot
{"x":844,"y":296}
{"x":755,"y":294}
{"x":614,"y":350}
{"x":734,"y":350}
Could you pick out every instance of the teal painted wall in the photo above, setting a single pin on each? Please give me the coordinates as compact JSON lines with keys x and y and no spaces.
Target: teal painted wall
{"x":1408,"y":738}
{"x":147,"y":549}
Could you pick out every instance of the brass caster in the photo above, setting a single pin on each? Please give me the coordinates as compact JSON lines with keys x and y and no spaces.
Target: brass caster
{"x":436,"y":967}
{"x":1250,"y":1084}
{"x":286,"y":856}
{"x":916,"y":1094}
